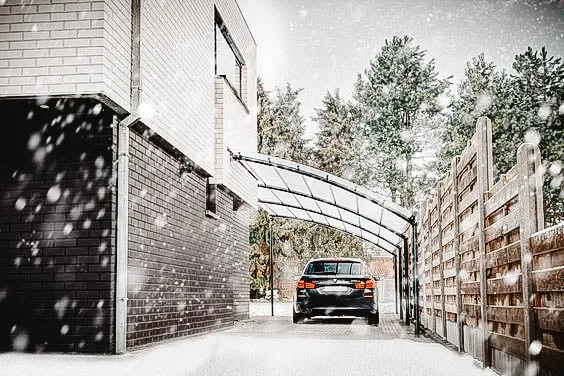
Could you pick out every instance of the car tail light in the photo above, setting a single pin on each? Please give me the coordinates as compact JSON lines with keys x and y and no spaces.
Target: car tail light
{"x":368,"y":284}
{"x":305,"y":285}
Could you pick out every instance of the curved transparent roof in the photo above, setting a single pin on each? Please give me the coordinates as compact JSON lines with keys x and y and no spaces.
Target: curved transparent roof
{"x":291,"y":190}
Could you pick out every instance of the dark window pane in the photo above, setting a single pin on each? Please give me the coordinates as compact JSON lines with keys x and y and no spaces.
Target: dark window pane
{"x":333,"y":267}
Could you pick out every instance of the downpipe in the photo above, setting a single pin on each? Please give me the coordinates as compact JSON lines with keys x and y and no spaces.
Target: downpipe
{"x":122,"y":231}
{"x":122,"y":217}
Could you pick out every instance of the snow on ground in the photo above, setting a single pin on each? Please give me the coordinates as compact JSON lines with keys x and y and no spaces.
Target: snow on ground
{"x":228,"y":354}
{"x":261,"y":347}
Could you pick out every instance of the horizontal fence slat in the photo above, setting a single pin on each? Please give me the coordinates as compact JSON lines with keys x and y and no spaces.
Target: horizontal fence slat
{"x":466,"y":157}
{"x":503,"y":179}
{"x":549,"y":280}
{"x":505,"y":194}
{"x":511,"y":345}
{"x":471,"y":243}
{"x":503,"y":226}
{"x":550,"y":318}
{"x":506,"y":314}
{"x":504,"y":255}
{"x":504,"y":285}
{"x":548,"y":240}
{"x":470,"y":288}
{"x":468,"y":201}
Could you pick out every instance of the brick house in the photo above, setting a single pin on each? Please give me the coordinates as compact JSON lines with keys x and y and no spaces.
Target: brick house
{"x":122,"y":221}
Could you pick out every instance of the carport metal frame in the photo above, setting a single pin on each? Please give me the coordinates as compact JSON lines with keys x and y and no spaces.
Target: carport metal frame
{"x":325,"y":177}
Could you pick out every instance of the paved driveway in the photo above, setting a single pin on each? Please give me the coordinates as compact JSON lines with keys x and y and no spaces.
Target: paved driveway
{"x":268,"y":346}
{"x":331,"y":347}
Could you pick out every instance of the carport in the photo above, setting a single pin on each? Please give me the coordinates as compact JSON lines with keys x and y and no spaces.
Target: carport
{"x":287,"y":189}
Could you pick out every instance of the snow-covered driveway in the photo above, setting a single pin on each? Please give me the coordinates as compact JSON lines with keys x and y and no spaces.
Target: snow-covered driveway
{"x":268,"y":346}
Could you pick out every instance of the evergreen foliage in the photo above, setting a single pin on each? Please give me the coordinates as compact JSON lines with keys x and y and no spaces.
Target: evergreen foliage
{"x":525,"y":106}
{"x":398,"y":98}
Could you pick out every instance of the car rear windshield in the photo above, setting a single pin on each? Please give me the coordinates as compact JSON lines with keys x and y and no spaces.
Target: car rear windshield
{"x":334,"y":267}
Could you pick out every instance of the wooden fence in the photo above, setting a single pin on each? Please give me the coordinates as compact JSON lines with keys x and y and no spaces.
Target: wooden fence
{"x":490,"y":281}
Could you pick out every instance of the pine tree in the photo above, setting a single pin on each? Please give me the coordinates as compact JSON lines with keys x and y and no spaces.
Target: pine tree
{"x":524,"y":106}
{"x":535,"y":113}
{"x":482,"y":92}
{"x":333,"y":151}
{"x":397,"y":95}
{"x":335,"y":140}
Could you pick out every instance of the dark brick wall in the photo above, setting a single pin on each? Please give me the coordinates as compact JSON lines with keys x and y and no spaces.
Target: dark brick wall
{"x":56,"y":226}
{"x":187,"y":273}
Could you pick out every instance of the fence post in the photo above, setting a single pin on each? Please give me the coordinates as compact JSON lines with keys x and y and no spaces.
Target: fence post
{"x":441,"y":267}
{"x":406,"y":282}
{"x":424,"y":249}
{"x":456,"y":248}
{"x":429,"y":229}
{"x":484,"y":181}
{"x":532,"y":220}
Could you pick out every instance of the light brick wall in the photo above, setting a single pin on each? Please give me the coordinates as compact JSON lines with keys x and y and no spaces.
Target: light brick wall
{"x":235,"y":123}
{"x":235,"y":131}
{"x":117,"y":51}
{"x":177,"y":64}
{"x":177,"y":74}
{"x":64,"y":47}
{"x":243,"y":38}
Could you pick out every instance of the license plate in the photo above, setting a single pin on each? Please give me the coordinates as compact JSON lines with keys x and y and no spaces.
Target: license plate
{"x":336,"y":288}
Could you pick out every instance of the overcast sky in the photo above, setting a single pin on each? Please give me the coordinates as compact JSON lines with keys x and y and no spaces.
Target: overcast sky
{"x":320,"y":45}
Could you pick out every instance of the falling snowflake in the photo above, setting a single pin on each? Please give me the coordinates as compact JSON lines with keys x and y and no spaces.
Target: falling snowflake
{"x":54,"y":194}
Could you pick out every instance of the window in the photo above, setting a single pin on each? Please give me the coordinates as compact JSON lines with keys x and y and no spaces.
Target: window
{"x":211,"y":199}
{"x":333,"y":267}
{"x":228,"y":61}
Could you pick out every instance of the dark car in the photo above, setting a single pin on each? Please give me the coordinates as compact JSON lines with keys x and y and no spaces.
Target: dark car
{"x":336,"y":287}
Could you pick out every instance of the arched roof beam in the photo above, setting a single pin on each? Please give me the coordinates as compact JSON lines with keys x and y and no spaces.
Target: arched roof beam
{"x":331,"y":227}
{"x":241,"y":157}
{"x":290,"y":206}
{"x":335,"y":204}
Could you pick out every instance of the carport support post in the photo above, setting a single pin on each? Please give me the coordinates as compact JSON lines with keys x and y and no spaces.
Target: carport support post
{"x":400,"y":284}
{"x":271,"y":253}
{"x":415,"y":279}
{"x":405,"y":284}
{"x":396,"y":280}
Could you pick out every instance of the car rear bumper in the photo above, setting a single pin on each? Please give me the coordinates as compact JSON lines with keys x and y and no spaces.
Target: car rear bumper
{"x":359,"y":309}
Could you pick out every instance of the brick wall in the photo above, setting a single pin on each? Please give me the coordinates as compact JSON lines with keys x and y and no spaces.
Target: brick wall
{"x":233,"y":131}
{"x":177,"y":54}
{"x":56,"y":249}
{"x":66,"y":47}
{"x":187,"y":273}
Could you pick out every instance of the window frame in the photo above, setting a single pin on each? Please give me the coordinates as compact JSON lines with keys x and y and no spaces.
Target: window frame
{"x":236,"y":87}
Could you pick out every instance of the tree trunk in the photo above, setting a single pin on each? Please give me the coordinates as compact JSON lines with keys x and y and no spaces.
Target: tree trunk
{"x":409,"y":181}
{"x":409,"y":199}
